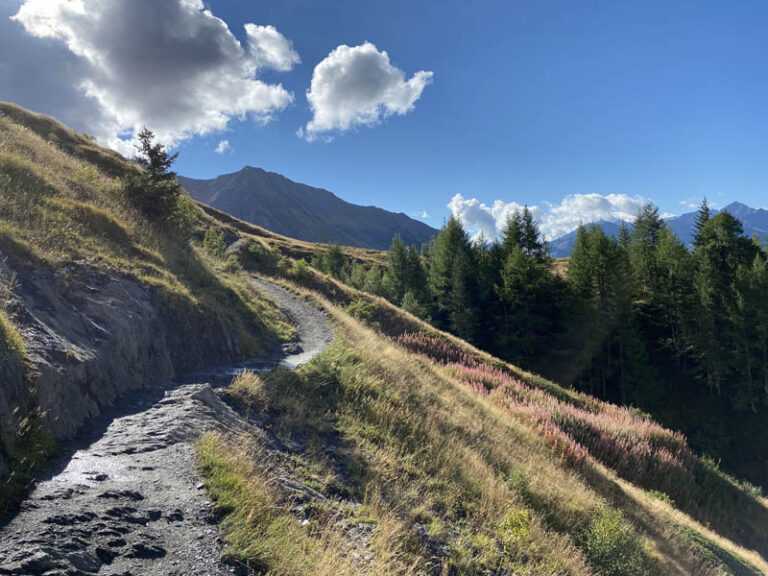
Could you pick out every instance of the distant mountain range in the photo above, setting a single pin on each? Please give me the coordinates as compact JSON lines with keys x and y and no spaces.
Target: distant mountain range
{"x":303,"y":212}
{"x":754,"y":220}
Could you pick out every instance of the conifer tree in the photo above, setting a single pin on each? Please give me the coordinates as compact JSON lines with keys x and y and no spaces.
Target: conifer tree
{"x":417,"y":278}
{"x":513,"y":232}
{"x":372,"y":283}
{"x":396,"y":276}
{"x":155,"y":191}
{"x":702,"y":217}
{"x":450,"y":271}
{"x":645,"y":239}
{"x":530,"y":237}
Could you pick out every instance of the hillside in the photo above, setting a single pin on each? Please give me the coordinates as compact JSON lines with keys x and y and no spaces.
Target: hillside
{"x":300,"y":211}
{"x":398,"y":450}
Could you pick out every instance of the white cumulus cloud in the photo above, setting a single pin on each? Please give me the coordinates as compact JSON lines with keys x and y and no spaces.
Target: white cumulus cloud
{"x":270,"y":49}
{"x":222,"y":147}
{"x":170,"y":65}
{"x":553,"y":220}
{"x":358,"y":86}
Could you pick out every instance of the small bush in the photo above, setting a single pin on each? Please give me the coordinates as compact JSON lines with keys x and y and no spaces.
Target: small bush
{"x":213,"y":242}
{"x":184,"y":217}
{"x":248,"y":388}
{"x":258,"y":257}
{"x":299,"y":270}
{"x":515,"y":529}
{"x":362,"y":310}
{"x":611,"y":545}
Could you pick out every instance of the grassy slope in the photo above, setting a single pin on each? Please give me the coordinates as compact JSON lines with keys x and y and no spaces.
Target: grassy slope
{"x":461,"y":480}
{"x":62,"y":208}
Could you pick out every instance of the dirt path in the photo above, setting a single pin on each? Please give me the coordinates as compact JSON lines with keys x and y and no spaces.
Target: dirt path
{"x":126,"y":499}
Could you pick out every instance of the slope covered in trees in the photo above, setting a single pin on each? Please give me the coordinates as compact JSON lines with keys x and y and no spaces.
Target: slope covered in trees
{"x":638,"y":319}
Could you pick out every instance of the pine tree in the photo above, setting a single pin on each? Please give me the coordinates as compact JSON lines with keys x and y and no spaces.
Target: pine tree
{"x":417,"y":277}
{"x":513,"y":232}
{"x":702,"y":217}
{"x":357,"y":275}
{"x":333,"y":261}
{"x":372,"y":283}
{"x":451,"y":245}
{"x":645,"y":239}
{"x":155,"y":191}
{"x":721,"y":251}
{"x":673,"y":297}
{"x":580,"y":266}
{"x":530,"y":238}
{"x":413,"y":305}
{"x":462,"y":307}
{"x":523,"y":281}
{"x":395,"y":282}
{"x":625,"y":236}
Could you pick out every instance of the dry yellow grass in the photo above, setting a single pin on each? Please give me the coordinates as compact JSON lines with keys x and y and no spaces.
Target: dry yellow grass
{"x":427,"y":452}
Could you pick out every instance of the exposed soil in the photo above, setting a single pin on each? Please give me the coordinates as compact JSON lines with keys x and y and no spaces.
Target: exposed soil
{"x":125,"y":498}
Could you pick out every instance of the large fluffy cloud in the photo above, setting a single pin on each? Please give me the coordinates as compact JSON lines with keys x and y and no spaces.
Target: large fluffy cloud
{"x":168,"y":64}
{"x":356,"y":86}
{"x":554,"y":220}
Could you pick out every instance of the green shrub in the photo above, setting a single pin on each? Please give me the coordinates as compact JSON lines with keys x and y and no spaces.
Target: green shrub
{"x":412,"y":305}
{"x":213,"y":242}
{"x":256,"y":256}
{"x":362,"y":310}
{"x":26,"y":447}
{"x":299,"y":270}
{"x":611,"y":545}
{"x":11,"y":340}
{"x":183,"y":218}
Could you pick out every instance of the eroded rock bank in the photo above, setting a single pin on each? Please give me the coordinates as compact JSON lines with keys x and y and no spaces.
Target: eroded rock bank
{"x":92,"y":336}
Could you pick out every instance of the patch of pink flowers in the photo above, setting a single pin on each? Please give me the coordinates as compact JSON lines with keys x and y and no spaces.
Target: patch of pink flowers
{"x":636,"y":447}
{"x":438,"y":349}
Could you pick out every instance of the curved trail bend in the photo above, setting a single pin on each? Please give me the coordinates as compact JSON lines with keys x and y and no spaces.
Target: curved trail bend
{"x":127,"y":500}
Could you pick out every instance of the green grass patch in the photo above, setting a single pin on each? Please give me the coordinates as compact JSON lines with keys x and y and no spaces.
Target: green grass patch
{"x":257,"y":531}
{"x":26,"y":447}
{"x":12,"y":341}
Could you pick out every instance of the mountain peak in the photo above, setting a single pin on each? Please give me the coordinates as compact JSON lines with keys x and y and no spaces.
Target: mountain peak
{"x":734,"y":207}
{"x":248,"y":168}
{"x":304,"y":212}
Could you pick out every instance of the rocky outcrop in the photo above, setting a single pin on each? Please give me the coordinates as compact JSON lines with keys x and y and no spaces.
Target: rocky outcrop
{"x":92,"y":336}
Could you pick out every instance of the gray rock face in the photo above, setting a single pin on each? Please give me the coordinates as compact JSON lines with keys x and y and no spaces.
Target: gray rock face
{"x":92,"y":337}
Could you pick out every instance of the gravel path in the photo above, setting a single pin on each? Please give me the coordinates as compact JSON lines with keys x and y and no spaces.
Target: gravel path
{"x":126,"y":498}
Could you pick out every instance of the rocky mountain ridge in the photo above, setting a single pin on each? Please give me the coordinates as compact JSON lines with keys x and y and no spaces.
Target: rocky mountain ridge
{"x":304,"y":212}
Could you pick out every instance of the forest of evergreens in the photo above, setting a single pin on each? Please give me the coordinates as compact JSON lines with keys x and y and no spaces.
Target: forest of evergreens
{"x":639,"y":319}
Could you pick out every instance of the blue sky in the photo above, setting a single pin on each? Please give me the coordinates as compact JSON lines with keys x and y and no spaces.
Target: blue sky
{"x":530,"y":103}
